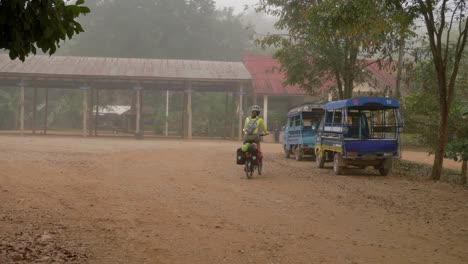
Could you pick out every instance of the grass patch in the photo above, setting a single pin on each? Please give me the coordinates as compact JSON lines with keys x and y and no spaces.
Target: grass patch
{"x":411,"y":140}
{"x":420,"y":171}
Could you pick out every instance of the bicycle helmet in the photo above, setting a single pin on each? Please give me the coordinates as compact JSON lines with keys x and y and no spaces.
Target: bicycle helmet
{"x":256,"y":108}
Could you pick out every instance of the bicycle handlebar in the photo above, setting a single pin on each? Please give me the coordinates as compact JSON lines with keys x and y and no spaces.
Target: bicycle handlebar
{"x":260,"y":135}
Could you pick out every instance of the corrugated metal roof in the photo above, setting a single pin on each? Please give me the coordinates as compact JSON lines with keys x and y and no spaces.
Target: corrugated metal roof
{"x":267,"y":79}
{"x":125,"y":67}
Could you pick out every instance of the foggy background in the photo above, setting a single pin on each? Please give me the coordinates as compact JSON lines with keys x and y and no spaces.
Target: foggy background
{"x":169,"y":29}
{"x":237,"y":4}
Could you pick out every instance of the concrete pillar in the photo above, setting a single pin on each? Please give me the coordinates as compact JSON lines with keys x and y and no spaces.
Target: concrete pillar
{"x":96,"y":117}
{"x":46,"y":110}
{"x":184,"y":115}
{"x":265,"y":111}
{"x":189,"y":110}
{"x":226,"y":114}
{"x":233,"y":116}
{"x":241,"y":110}
{"x":34,"y":111}
{"x":166,"y":131}
{"x":21,"y":102}
{"x":85,"y":110}
{"x":90,"y":113}
{"x":138,"y":111}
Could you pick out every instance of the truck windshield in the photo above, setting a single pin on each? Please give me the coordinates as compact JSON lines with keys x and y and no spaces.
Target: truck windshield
{"x":311,"y":120}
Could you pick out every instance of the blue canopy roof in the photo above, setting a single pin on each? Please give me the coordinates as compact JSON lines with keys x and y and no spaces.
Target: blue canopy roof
{"x":364,"y":103}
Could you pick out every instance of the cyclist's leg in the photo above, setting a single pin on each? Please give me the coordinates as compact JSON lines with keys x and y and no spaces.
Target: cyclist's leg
{"x":259,"y":152}
{"x":249,"y":139}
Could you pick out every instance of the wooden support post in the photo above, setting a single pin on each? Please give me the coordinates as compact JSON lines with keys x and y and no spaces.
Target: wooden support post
{"x":46,"y":110}
{"x":33,"y":126}
{"x":189,"y":110}
{"x":241,"y":110}
{"x":96,"y":118}
{"x":21,"y":102}
{"x":85,"y":111}
{"x":265,"y":110}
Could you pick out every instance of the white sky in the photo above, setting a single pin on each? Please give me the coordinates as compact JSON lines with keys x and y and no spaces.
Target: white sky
{"x":237,"y":4}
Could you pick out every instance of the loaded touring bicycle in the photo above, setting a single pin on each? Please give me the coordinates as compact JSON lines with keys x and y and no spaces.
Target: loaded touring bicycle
{"x":360,"y":132}
{"x":299,"y":132}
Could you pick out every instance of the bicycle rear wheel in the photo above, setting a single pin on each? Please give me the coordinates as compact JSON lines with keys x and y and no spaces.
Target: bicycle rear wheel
{"x":248,"y":169}
{"x":260,"y":167}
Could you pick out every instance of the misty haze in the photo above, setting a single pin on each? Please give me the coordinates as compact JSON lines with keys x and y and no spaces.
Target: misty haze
{"x":249,"y":131}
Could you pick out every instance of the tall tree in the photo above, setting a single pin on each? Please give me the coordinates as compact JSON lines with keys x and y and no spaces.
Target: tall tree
{"x":440,"y":16}
{"x":28,"y":25}
{"x":422,"y":111}
{"x":329,"y":39}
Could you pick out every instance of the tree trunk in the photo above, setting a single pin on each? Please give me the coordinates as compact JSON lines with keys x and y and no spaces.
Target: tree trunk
{"x":339,"y":87}
{"x":464,"y":169}
{"x":401,"y":53}
{"x":442,"y":142}
{"x":346,"y":70}
{"x":349,"y":68}
{"x":348,"y":83}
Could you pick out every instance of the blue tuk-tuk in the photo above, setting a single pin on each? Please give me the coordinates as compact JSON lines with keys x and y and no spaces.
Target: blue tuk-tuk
{"x":360,"y":132}
{"x":299,"y":132}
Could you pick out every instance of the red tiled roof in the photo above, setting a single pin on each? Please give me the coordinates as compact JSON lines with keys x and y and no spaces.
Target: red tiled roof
{"x":267,"y":79}
{"x":384,"y":75}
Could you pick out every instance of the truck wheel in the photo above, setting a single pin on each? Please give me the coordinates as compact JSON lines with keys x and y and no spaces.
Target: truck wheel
{"x":386,"y":167}
{"x":384,"y":171}
{"x":319,"y":160}
{"x":337,"y":169}
{"x":298,"y":153}
{"x":287,"y":152}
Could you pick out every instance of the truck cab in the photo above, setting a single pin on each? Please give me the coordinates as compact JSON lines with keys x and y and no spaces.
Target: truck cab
{"x":299,"y":130}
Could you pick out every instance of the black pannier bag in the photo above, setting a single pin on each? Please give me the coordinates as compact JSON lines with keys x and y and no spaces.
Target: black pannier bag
{"x":240,"y":158}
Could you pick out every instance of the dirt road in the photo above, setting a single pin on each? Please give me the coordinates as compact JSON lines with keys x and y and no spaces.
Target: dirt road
{"x":124,"y":201}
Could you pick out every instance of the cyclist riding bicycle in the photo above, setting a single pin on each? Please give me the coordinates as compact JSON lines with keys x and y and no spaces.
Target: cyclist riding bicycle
{"x":252,"y":125}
